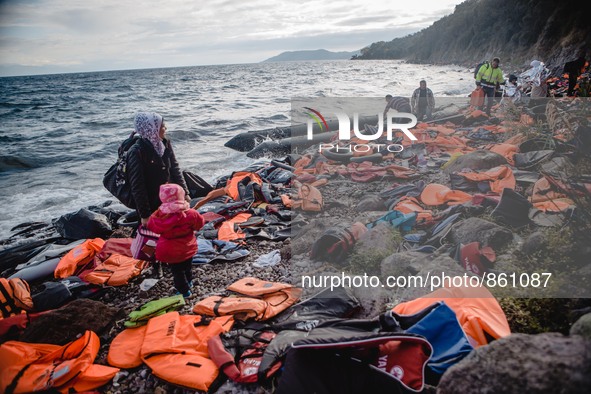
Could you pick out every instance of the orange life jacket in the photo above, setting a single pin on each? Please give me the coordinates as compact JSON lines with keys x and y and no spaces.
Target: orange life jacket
{"x":410,"y":204}
{"x":505,"y":150}
{"x":546,"y":197}
{"x":309,"y":198}
{"x":232,"y":184}
{"x":259,"y":300}
{"x":215,"y":193}
{"x":477,"y":98}
{"x":78,"y":257}
{"x":30,"y":367}
{"x":117,"y":270}
{"x":228,"y":231}
{"x":499,"y":178}
{"x":15,"y":297}
{"x":173,"y":346}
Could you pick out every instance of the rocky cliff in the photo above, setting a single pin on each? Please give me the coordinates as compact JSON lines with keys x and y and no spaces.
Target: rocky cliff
{"x":518,"y":31}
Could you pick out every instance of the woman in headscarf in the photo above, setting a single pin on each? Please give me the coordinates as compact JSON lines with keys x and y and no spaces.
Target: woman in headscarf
{"x":151,"y":163}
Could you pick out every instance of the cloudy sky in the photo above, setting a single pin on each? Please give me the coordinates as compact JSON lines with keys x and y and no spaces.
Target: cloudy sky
{"x":45,"y":36}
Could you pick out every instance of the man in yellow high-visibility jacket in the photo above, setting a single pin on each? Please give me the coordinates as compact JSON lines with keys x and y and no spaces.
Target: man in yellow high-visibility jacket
{"x":488,"y":77}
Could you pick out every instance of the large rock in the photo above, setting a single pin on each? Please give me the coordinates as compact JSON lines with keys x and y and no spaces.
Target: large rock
{"x":536,"y":242}
{"x":381,"y":239}
{"x":308,"y":234}
{"x":521,"y":363}
{"x":83,"y":224}
{"x":370,"y":203}
{"x":483,"y":231}
{"x":582,"y":327}
{"x":477,"y":160}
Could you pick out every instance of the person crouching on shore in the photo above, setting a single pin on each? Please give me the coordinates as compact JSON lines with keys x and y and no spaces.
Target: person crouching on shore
{"x":176,"y":223}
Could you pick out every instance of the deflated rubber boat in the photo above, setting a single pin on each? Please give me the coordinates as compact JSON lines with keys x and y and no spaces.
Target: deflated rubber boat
{"x":282,"y":140}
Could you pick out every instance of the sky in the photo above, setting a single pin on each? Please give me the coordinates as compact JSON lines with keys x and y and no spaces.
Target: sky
{"x":55,"y":36}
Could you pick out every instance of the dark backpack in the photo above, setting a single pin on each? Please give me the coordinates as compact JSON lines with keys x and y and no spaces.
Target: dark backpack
{"x":198,"y":187}
{"x":115,"y":179}
{"x":478,"y":67}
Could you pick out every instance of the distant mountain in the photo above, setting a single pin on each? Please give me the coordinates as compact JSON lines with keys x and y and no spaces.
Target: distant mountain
{"x":517,"y":31}
{"x":318,"y":54}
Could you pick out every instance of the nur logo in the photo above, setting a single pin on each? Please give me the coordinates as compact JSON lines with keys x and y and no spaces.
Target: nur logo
{"x":318,"y":118}
{"x":345,"y":125}
{"x":345,"y":131}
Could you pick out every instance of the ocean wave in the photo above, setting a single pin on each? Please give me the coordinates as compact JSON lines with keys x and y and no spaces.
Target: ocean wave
{"x":240,"y":126}
{"x":10,"y":162}
{"x":278,"y":117}
{"x":214,"y":122}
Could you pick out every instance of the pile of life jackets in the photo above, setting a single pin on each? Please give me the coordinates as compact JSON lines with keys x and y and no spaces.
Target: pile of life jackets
{"x":173,"y":346}
{"x":254,"y":299}
{"x":101,"y":262}
{"x":29,"y":367}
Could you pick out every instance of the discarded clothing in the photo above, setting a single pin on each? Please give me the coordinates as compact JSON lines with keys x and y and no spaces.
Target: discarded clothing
{"x":396,"y":219}
{"x":212,"y":250}
{"x":268,"y":260}
{"x":512,"y":209}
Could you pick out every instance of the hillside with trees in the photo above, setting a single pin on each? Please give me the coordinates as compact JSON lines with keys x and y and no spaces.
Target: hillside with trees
{"x":515,"y":30}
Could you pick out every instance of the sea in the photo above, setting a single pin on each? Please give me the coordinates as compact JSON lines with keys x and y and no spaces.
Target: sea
{"x":59,"y":133}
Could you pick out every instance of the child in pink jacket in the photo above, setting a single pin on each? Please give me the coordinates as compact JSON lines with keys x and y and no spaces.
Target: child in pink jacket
{"x":176,"y":223}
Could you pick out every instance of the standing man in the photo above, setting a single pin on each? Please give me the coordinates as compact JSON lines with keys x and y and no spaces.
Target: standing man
{"x":422,"y":101}
{"x":488,"y":78}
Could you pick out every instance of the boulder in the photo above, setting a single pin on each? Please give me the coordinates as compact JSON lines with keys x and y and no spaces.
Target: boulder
{"x":521,"y":363}
{"x":381,"y":239}
{"x":477,"y":160}
{"x":370,"y":203}
{"x":582,"y":327}
{"x":83,"y":224}
{"x":483,"y":231}
{"x":308,"y":234}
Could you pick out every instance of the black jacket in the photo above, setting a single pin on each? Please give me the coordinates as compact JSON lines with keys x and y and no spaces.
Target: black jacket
{"x":147,"y":171}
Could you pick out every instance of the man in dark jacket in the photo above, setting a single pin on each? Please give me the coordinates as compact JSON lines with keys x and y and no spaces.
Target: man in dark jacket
{"x":574,"y":70}
{"x":151,"y":163}
{"x":422,"y":101}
